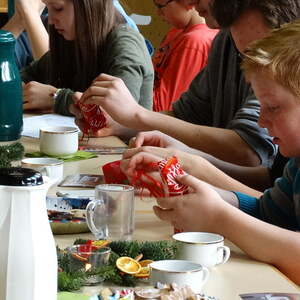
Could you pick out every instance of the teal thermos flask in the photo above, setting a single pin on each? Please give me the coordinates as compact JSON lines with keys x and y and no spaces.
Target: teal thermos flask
{"x":11,"y":108}
{"x":11,"y":7}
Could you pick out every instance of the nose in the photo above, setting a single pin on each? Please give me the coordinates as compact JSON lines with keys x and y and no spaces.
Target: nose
{"x":50,"y":19}
{"x":263,"y":121}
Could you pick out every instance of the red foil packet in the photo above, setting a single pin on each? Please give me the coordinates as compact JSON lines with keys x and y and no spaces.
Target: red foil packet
{"x":169,"y":170}
{"x":113,"y":173}
{"x":93,"y":117}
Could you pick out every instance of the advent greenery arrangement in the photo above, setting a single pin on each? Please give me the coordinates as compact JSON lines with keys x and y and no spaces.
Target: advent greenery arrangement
{"x":71,"y":277}
{"x":9,"y":153}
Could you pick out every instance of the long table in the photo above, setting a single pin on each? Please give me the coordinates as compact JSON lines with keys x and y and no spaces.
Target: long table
{"x":239,"y":275}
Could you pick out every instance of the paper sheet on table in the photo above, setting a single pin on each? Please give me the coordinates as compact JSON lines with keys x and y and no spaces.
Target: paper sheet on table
{"x":32,"y":125}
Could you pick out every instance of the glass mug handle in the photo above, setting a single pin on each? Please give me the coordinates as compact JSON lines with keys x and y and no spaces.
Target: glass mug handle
{"x":100,"y":230}
{"x":226,"y":254}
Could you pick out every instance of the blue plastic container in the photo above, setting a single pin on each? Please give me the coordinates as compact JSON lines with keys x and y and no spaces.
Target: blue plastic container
{"x":11,"y":108}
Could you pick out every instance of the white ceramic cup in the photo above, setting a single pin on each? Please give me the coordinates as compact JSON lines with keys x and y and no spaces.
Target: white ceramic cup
{"x":58,"y":140}
{"x":180,"y":272}
{"x":51,"y":167}
{"x":204,"y":248}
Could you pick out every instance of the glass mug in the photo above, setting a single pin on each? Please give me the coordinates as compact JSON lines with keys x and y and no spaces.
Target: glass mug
{"x":111,"y":214}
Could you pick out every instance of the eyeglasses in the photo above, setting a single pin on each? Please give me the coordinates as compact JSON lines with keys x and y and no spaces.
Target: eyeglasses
{"x":160,"y":6}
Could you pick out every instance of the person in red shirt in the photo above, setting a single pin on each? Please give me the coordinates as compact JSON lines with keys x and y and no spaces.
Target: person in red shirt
{"x":182,"y":53}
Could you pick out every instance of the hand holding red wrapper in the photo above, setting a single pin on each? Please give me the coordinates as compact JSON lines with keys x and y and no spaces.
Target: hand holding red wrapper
{"x":93,"y":117}
{"x":168,"y":170}
{"x":113,"y":174}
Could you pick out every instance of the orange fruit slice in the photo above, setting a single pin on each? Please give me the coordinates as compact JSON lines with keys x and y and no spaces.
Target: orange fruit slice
{"x":79,"y":257}
{"x":145,"y":270}
{"x":145,"y":262}
{"x":100,"y":243}
{"x":128,"y":265}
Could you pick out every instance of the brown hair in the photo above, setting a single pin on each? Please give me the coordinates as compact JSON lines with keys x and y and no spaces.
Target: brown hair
{"x":275,"y":12}
{"x":278,"y":55}
{"x":74,"y":64}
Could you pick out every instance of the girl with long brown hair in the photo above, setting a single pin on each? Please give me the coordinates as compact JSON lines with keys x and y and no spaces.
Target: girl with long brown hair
{"x":87,"y":37}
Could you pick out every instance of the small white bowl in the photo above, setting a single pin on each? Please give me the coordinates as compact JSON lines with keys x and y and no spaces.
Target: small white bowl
{"x":180,"y":272}
{"x":58,"y":140}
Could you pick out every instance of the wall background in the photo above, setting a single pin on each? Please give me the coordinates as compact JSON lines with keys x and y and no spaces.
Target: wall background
{"x":156,"y":30}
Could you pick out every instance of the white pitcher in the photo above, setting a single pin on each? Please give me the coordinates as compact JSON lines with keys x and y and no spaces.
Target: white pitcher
{"x":28,"y":260}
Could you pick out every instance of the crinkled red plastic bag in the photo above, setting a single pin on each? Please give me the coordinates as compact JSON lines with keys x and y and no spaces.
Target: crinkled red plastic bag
{"x":93,"y":117}
{"x":113,"y":173}
{"x":169,"y":170}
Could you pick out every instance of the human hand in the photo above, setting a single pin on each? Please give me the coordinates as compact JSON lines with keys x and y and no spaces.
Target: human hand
{"x":113,"y":96}
{"x":139,"y":161}
{"x":157,"y":139}
{"x":199,"y":210}
{"x":111,"y":128}
{"x":27,"y":7}
{"x":38,"y":96}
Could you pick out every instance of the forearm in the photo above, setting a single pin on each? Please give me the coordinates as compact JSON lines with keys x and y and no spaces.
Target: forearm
{"x":224,"y":144}
{"x":37,"y":34}
{"x":257,"y":178}
{"x":214,"y":176}
{"x":14,"y":26}
{"x":271,"y":242}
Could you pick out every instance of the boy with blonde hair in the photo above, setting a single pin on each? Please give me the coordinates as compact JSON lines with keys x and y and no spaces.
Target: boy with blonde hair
{"x":264,"y":228}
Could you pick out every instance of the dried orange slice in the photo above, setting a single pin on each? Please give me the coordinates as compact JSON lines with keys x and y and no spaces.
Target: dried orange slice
{"x":100,"y":243}
{"x":128,"y":265}
{"x":145,"y":270}
{"x":79,"y":257}
{"x":145,"y":262}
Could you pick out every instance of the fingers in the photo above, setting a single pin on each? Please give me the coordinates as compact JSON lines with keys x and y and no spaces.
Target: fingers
{"x":75,"y":111}
{"x":169,"y":202}
{"x":105,"y":77}
{"x":164,"y":214}
{"x":132,"y":143}
{"x":155,"y":151}
{"x":76,"y":97}
{"x":192,"y":182}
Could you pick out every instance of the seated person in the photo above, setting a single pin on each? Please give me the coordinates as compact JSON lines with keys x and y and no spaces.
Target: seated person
{"x":271,"y":65}
{"x":30,"y":30}
{"x":219,"y":104}
{"x":250,"y":180}
{"x":182,"y":53}
{"x":27,"y":25}
{"x":80,"y":50}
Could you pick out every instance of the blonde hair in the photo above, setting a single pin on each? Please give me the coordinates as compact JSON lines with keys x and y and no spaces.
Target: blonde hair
{"x":278,"y":55}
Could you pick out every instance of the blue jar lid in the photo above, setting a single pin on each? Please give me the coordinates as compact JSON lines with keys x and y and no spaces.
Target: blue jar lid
{"x":6,"y":37}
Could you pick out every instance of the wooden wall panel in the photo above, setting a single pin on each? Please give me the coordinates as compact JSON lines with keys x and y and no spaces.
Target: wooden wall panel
{"x":156,"y":30}
{"x":3,"y":6}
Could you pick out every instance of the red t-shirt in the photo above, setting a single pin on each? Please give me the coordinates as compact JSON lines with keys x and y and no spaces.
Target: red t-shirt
{"x":179,"y":58}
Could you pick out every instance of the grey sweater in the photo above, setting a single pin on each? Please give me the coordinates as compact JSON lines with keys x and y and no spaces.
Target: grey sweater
{"x":126,"y":57}
{"x":220,"y":97}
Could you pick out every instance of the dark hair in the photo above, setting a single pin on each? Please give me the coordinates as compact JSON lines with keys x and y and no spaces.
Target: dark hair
{"x":275,"y":12}
{"x":75,"y":64}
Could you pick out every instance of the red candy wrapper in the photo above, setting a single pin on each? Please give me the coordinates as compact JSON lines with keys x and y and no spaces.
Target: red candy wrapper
{"x":113,"y":173}
{"x":93,"y":116}
{"x":169,"y":170}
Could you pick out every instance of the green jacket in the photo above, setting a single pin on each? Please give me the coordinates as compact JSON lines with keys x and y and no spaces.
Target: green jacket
{"x":126,"y":57}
